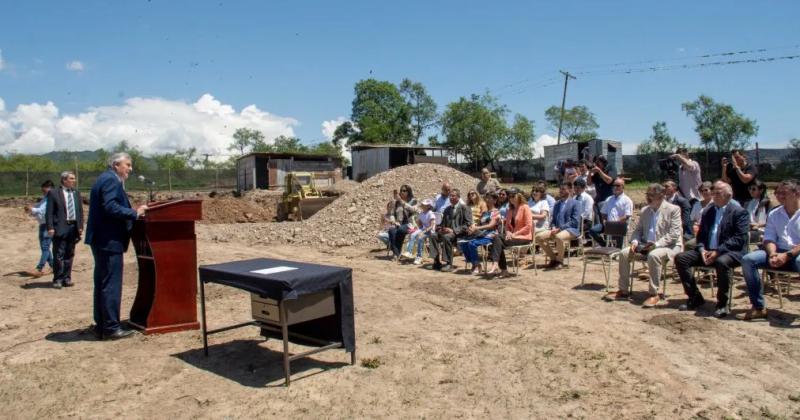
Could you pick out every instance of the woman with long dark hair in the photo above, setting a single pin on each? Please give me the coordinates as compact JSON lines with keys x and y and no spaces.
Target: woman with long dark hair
{"x":404,"y":211}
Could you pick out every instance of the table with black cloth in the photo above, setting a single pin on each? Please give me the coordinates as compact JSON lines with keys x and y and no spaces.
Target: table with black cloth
{"x":289,"y":289}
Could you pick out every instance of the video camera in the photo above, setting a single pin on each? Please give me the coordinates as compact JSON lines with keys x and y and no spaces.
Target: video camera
{"x":668,"y":165}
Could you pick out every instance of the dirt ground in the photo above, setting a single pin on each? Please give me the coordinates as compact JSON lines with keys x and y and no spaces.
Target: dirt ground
{"x":438,"y":346}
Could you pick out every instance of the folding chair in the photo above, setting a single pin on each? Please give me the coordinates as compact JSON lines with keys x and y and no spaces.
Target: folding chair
{"x":777,"y":275}
{"x":521,"y":251}
{"x":606,"y":254}
{"x":664,"y":268}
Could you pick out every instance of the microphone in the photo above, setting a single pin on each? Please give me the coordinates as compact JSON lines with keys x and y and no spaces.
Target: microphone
{"x":151,"y":184}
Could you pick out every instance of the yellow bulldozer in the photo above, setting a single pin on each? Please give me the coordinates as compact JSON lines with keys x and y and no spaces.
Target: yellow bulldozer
{"x":301,"y":198}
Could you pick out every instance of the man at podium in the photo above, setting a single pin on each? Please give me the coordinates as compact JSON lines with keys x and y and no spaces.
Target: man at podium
{"x":108,"y":233}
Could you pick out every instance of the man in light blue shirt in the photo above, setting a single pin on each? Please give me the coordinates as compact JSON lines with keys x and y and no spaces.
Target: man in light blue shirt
{"x":45,"y":241}
{"x":781,"y":246}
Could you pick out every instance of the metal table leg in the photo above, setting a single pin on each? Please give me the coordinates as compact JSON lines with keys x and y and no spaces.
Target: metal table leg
{"x":285,"y":331}
{"x":203,"y":315}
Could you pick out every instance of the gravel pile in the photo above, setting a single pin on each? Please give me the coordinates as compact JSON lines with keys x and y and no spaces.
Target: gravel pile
{"x":353,"y":219}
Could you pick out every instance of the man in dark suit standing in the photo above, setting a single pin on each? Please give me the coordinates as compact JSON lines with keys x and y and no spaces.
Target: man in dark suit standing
{"x":721,"y":243}
{"x":108,"y":233}
{"x":456,"y":219}
{"x":64,"y":219}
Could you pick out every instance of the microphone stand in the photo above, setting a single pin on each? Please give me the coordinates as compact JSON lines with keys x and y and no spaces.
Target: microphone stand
{"x":151,"y":184}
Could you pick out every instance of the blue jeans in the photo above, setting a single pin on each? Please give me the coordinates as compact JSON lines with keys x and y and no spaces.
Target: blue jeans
{"x":417,"y":237}
{"x":44,"y":243}
{"x":750,"y":265}
{"x":470,"y":249}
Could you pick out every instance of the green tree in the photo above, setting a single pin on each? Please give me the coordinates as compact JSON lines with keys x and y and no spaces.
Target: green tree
{"x":720,"y":127}
{"x":245,"y":139}
{"x":421,"y":107}
{"x":284,"y":144}
{"x":180,"y":159}
{"x":659,"y":142}
{"x":475,"y":127}
{"x":579,"y":123}
{"x":380,"y":114}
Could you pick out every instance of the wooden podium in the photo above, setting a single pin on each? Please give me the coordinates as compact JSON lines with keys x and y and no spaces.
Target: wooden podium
{"x":166,"y":250}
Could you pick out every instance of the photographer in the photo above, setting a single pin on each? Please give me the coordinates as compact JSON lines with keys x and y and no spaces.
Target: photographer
{"x":689,"y":178}
{"x":740,"y":174}
{"x":601,"y":179}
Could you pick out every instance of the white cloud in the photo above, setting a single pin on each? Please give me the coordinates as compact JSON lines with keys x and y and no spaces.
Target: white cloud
{"x":543,"y":140}
{"x":2,"y":63}
{"x":154,"y":125}
{"x":329,"y":127}
{"x":76,"y":65}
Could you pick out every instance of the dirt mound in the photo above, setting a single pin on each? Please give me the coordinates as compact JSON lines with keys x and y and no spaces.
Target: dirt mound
{"x":236,"y":210}
{"x":353,"y":219}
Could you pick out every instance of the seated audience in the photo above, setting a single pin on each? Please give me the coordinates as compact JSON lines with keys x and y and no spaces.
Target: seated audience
{"x":388,"y":221}
{"x":540,"y":210}
{"x":658,"y":237}
{"x":426,"y":224}
{"x":584,"y":174}
{"x":481,"y":233}
{"x":456,"y":220}
{"x":672,"y":196}
{"x":564,"y":227}
{"x":502,"y":202}
{"x":721,"y":242}
{"x":618,"y":208}
{"x":781,"y":246}
{"x":586,"y":202}
{"x":487,"y":183}
{"x":404,"y":211}
{"x":476,"y":204}
{"x":758,"y":207}
{"x":518,"y":229}
{"x":442,"y":199}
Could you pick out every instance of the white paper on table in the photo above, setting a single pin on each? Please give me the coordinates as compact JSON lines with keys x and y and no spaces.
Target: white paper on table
{"x":273,"y":270}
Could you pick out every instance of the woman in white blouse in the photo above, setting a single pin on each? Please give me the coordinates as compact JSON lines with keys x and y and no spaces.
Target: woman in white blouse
{"x":540,"y":210}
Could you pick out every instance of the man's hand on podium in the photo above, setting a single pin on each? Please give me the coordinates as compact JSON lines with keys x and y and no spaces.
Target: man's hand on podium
{"x":141,"y":209}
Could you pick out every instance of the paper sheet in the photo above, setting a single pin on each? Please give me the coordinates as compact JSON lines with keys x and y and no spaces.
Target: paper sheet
{"x":273,"y":270}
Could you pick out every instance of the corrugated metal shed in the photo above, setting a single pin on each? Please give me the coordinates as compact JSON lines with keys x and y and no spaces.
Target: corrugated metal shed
{"x":612,"y":150}
{"x":371,"y":159}
{"x":268,"y":170}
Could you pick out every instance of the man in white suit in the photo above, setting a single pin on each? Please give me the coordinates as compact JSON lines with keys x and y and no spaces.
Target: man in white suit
{"x":657,"y":235}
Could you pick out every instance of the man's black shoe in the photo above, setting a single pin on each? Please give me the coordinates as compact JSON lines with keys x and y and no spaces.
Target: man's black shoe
{"x":692,"y":304}
{"x":117,"y":334}
{"x":436,"y":266}
{"x":68,"y":283}
{"x":57,"y":284}
{"x":722,"y":312}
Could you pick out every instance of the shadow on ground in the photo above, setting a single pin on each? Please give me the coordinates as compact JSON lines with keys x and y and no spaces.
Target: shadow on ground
{"x":251,"y":364}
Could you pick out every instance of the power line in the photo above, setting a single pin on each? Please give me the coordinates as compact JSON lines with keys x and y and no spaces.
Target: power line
{"x":703,"y":56}
{"x":688,"y":65}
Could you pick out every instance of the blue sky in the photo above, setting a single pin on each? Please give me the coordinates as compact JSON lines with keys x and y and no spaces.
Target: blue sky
{"x":173,"y":74}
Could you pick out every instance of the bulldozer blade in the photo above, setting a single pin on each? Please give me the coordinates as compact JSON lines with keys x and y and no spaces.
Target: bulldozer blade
{"x":310,"y":206}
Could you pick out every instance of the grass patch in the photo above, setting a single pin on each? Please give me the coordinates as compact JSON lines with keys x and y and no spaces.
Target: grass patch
{"x":371,"y":362}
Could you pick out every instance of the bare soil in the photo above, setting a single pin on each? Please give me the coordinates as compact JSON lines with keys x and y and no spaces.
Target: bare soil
{"x":430,"y":345}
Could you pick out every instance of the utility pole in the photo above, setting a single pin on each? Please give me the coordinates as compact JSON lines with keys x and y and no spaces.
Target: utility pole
{"x":567,"y":76}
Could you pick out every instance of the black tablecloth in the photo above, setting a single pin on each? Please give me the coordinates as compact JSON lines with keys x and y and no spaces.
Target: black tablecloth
{"x":306,"y":279}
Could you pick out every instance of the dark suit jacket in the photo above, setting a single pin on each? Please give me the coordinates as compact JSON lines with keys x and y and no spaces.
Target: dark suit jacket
{"x":56,"y":212}
{"x":686,"y":211}
{"x":110,"y":215}
{"x":567,"y":216}
{"x":733,"y":230}
{"x":458,"y":218}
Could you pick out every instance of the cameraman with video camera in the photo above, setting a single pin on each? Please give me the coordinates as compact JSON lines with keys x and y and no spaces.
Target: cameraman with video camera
{"x":689,"y":178}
